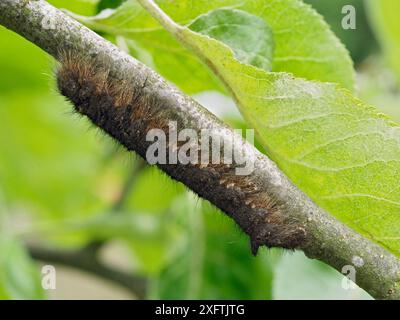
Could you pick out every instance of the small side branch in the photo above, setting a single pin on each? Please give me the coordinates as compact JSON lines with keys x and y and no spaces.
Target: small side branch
{"x":87,"y":260}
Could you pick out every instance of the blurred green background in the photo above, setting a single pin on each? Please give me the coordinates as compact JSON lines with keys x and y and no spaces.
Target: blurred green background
{"x":64,"y":185}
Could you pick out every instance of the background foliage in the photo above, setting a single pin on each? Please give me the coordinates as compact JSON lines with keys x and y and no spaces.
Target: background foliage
{"x":60,"y":178}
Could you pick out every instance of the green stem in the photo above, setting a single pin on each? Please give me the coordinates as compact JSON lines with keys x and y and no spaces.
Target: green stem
{"x":156,"y":12}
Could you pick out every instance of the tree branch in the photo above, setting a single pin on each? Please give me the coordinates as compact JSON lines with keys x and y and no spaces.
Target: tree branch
{"x":88,"y":261}
{"x":293,"y":213}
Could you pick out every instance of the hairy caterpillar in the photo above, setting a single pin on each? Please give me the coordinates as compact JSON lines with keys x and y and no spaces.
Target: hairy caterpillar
{"x":123,"y":109}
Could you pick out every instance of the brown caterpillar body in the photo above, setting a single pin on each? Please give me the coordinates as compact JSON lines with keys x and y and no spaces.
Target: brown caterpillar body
{"x":122,"y":109}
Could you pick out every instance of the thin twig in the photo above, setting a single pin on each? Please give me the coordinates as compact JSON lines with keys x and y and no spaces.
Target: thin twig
{"x":84,"y":260}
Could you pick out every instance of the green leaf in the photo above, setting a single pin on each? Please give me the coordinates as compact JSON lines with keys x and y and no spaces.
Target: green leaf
{"x":341,"y":152}
{"x":215,"y":262}
{"x":249,"y":37}
{"x":384,"y":15}
{"x":13,"y":52}
{"x":360,"y":41}
{"x":19,"y":277}
{"x":304,"y":44}
{"x":306,"y":279}
{"x":86,"y":7}
{"x":154,"y":192}
{"x":44,"y":176}
{"x":105,"y":4}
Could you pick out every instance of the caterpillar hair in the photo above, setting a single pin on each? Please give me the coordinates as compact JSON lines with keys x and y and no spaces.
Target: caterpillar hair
{"x":126,"y":110}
